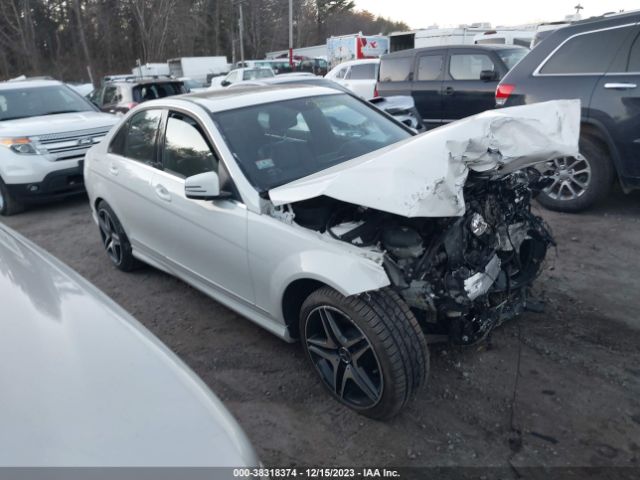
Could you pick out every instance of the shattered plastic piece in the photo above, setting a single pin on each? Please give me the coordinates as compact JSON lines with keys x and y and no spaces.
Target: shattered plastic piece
{"x":424,"y":176}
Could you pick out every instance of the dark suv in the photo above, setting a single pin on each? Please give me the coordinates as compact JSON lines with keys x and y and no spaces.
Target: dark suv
{"x":122,"y":96}
{"x":597,"y":61}
{"x":450,"y":82}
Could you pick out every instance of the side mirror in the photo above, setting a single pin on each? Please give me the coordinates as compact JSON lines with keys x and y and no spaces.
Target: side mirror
{"x":488,"y":75}
{"x":225,"y":83}
{"x":204,"y":186}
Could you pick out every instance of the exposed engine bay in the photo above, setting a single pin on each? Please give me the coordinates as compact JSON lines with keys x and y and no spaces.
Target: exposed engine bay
{"x":462,"y":276}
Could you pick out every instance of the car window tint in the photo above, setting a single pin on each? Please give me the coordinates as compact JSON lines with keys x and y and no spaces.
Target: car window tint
{"x":467,"y":66}
{"x":151,"y":91}
{"x":365,"y":71}
{"x":627,"y":59}
{"x":110,"y":95}
{"x":341,"y":73}
{"x":429,"y":67}
{"x":511,"y":57}
{"x":395,"y":69}
{"x":589,"y":53}
{"x":186,"y":152}
{"x":118,"y":142}
{"x":141,"y":136}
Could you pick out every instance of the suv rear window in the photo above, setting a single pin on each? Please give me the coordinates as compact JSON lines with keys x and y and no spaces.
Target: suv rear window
{"x":587,"y":53}
{"x":396,"y":69}
{"x":151,"y":91}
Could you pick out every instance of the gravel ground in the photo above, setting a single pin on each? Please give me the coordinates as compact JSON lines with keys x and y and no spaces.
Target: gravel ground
{"x":577,"y":399}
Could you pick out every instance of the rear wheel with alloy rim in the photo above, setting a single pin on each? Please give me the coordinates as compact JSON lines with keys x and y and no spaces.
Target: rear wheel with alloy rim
{"x":578,"y":182}
{"x":8,"y":204}
{"x":114,"y":239}
{"x":369,"y":350}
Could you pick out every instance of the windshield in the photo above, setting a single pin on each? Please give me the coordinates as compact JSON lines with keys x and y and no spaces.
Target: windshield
{"x":257,"y":73}
{"x":151,"y":91}
{"x":277,"y":143}
{"x":511,"y":57}
{"x":35,"y":101}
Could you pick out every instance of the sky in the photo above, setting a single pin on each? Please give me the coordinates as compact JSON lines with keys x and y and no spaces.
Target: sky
{"x":451,"y":13}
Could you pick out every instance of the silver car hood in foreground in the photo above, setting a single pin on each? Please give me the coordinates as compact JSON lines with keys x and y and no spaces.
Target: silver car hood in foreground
{"x":84,"y":384}
{"x":423,"y":176}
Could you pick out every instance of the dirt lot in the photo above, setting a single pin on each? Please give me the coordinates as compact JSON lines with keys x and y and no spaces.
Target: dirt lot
{"x":577,"y":400}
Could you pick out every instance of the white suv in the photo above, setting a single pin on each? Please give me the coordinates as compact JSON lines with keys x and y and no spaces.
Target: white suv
{"x":319,"y":217}
{"x":45,"y":130}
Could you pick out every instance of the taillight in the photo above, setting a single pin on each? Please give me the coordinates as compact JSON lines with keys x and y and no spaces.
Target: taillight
{"x":130,"y":105}
{"x":375,"y":92}
{"x":503,"y":91}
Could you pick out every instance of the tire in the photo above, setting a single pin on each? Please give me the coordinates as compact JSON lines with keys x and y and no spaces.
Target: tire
{"x":114,"y":239}
{"x":8,"y":204}
{"x":368,"y":350}
{"x":599,"y":175}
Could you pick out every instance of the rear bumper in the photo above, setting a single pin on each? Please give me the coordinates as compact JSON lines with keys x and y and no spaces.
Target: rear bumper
{"x":55,"y":185}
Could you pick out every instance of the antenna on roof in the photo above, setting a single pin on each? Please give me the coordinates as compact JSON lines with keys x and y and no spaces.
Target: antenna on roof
{"x":578,"y":7}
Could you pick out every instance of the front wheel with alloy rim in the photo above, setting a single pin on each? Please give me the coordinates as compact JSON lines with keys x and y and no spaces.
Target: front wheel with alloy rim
{"x":114,"y":240}
{"x":578,"y":182}
{"x":8,"y":204}
{"x":368,"y":350}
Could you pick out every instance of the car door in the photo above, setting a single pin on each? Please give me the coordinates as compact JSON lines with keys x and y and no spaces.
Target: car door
{"x":464,"y":93}
{"x":615,"y":103}
{"x":202,"y":241}
{"x":426,"y":88}
{"x":361,"y":79}
{"x":130,"y":166}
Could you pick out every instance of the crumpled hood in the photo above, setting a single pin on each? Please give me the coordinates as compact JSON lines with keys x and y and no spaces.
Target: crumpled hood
{"x":60,"y":123}
{"x":424,"y":176}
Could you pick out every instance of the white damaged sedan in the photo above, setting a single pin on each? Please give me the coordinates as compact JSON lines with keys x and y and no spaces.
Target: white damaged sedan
{"x":323,"y":219}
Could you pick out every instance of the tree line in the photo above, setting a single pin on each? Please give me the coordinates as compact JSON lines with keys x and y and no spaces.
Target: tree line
{"x":75,"y":40}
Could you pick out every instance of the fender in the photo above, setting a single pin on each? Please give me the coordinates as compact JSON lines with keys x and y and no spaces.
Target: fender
{"x":603,"y":133}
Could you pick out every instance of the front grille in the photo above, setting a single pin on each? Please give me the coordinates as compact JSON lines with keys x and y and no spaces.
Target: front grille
{"x":68,"y":145}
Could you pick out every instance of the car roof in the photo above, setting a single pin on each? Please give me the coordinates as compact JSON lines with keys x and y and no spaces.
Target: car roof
{"x":219,"y":100}
{"x":488,"y":46}
{"x":143,"y":81}
{"x":18,"y":84}
{"x":623,"y":17}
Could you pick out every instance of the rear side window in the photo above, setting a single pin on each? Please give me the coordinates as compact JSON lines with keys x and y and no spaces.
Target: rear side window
{"x":151,"y":91}
{"x":396,"y":69}
{"x":342,"y":72}
{"x":139,"y":134}
{"x":186,"y":152}
{"x":589,"y":53}
{"x":467,"y":66}
{"x":634,"y":56}
{"x":430,"y":67}
{"x":365,"y":71}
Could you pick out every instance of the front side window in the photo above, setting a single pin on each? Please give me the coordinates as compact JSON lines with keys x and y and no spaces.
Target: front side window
{"x":429,"y":67}
{"x":279,"y":142}
{"x":257,"y":73}
{"x":367,"y":71}
{"x":142,"y":133}
{"x":467,"y":66}
{"x":511,"y":57}
{"x":186,"y":151}
{"x":589,"y":53}
{"x":395,"y":69}
{"x":32,"y":102}
{"x":633,"y":65}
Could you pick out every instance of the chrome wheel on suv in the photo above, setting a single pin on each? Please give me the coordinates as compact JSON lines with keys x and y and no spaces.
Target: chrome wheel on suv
{"x":578,"y":182}
{"x":571,"y":177}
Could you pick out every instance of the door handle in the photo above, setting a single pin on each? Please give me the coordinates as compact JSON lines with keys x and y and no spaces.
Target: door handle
{"x":449,"y":91}
{"x":113,"y":170}
{"x":620,"y":86}
{"x":162,"y":193}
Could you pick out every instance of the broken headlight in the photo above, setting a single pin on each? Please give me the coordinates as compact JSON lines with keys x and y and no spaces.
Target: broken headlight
{"x":478,"y":225}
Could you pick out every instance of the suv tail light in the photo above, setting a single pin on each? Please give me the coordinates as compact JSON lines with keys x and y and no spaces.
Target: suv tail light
{"x":503,"y":91}
{"x":375,"y":92}
{"x":130,"y":105}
